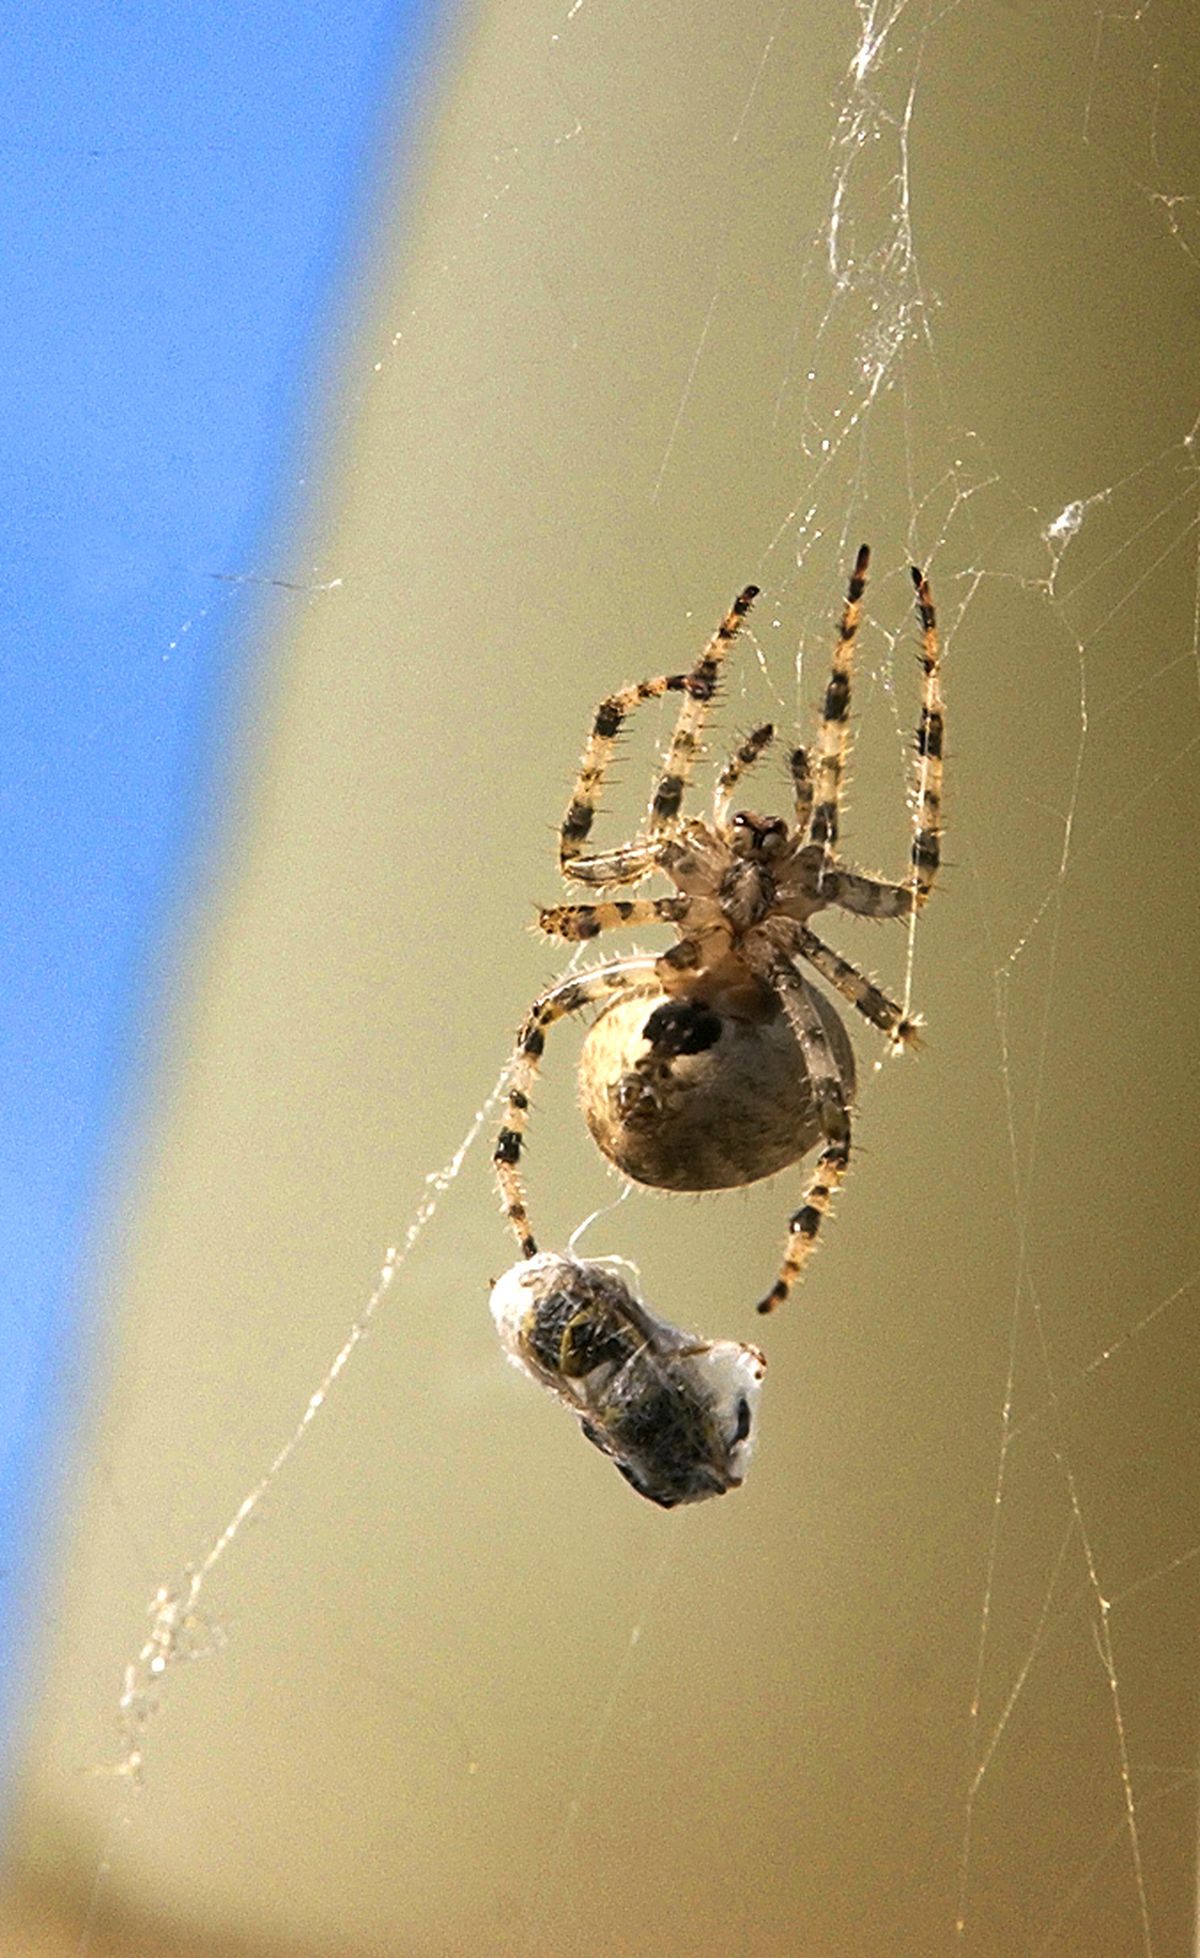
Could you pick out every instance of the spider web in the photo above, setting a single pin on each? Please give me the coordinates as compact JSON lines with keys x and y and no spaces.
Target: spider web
{"x":929,"y":1683}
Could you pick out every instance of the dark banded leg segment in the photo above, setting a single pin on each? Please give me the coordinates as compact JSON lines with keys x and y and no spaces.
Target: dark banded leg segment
{"x":869,"y":999}
{"x":585,"y":989}
{"x":802,"y":788}
{"x":621,"y":866}
{"x":615,"y":866}
{"x":931,"y":730}
{"x":698,"y":689}
{"x":873,"y":897}
{"x":867,"y":897}
{"x":753,"y":747}
{"x":576,"y":921}
{"x":829,"y":1095}
{"x":834,"y":731}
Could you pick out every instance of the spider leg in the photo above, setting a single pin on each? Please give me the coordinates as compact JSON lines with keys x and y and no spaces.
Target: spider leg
{"x":802,"y":787}
{"x":614,"y":866}
{"x":740,"y":760}
{"x":575,"y":921}
{"x":832,"y":1113}
{"x":863,"y":994}
{"x":931,"y":729}
{"x":866,"y":897}
{"x":623,"y":866}
{"x":833,"y":733}
{"x":568,"y":996}
{"x":698,"y":690}
{"x":873,"y":897}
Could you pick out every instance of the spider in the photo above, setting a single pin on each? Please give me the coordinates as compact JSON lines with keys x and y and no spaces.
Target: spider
{"x":675,"y":1413}
{"x":719,"y":1062}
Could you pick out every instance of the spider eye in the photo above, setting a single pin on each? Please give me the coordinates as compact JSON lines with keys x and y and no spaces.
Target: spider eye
{"x":743,"y":1419}
{"x":741,"y":821}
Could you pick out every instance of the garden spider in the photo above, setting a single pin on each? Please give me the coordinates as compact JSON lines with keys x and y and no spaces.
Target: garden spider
{"x":718,"y":1062}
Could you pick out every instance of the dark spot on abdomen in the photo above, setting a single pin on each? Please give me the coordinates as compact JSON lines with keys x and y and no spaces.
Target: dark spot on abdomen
{"x":683,"y":1026}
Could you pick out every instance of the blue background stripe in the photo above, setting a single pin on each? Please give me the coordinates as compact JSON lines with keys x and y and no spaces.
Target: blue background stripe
{"x":184,"y":199}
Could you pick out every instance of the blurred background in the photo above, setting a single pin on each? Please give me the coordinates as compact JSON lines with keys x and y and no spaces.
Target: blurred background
{"x":383,"y":397}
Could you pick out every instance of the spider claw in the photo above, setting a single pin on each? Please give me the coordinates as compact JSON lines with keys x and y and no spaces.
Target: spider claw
{"x":906,"y":1035}
{"x":775,"y":1296}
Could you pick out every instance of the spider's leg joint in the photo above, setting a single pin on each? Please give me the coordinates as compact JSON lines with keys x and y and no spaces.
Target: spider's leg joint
{"x":682,"y":957}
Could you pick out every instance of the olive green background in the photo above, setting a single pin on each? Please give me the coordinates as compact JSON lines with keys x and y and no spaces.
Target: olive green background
{"x":461,"y":1691}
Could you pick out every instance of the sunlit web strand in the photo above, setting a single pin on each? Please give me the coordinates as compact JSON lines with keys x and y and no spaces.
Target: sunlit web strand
{"x":175,"y":1631}
{"x":1024,"y":1283}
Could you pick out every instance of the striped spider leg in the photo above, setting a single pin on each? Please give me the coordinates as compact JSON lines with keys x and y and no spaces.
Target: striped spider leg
{"x":632,"y":862}
{"x":931,"y":733}
{"x":873,"y":897}
{"x":607,"y":982}
{"x":752,"y":749}
{"x":834,"y":732}
{"x":862,"y":992}
{"x":829,"y":1096}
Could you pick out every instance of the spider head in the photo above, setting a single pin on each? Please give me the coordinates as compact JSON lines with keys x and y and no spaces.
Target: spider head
{"x":757,"y":838}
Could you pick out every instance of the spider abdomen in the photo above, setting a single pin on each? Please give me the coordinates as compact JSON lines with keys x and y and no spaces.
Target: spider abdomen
{"x":683,"y":1093}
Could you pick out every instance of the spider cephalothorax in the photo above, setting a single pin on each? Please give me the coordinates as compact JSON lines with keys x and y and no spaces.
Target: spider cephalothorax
{"x":719,"y":1062}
